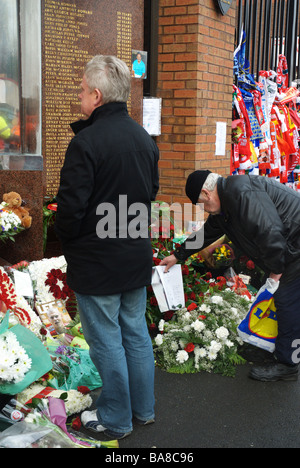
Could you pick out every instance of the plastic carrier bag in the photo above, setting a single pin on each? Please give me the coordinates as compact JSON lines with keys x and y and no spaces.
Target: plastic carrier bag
{"x":260,"y":327}
{"x":40,"y":359}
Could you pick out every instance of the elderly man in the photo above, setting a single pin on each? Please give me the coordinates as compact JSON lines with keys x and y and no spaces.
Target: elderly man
{"x":111,"y":169}
{"x":261,"y":217}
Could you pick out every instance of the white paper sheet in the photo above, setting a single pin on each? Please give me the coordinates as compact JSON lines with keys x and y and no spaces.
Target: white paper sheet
{"x":23,"y":284}
{"x":221,"y":139}
{"x":152,"y":116}
{"x":172,"y":284}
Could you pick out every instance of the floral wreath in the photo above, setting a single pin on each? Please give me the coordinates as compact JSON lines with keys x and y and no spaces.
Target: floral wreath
{"x":56,"y":280}
{"x":18,"y":305}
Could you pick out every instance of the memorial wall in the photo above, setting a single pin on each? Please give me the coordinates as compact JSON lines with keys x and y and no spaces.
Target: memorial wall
{"x":71,"y":33}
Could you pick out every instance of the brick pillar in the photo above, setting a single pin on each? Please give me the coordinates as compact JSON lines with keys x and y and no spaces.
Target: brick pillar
{"x":195,"y":76}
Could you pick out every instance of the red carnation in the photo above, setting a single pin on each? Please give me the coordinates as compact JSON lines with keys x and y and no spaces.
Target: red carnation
{"x":192,"y":306}
{"x":250,"y":265}
{"x":189,"y":347}
{"x":83,"y":389}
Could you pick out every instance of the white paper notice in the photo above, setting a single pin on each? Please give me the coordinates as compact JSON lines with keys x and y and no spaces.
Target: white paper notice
{"x":159,"y":292}
{"x":23,"y":284}
{"x":152,"y":116}
{"x":173,"y":286}
{"x":221,"y":139}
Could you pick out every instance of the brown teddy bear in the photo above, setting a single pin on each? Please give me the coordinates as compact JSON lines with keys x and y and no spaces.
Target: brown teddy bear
{"x":14,"y":201}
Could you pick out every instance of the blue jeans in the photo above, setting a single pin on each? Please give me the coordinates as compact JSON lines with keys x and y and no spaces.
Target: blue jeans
{"x":115,"y":328}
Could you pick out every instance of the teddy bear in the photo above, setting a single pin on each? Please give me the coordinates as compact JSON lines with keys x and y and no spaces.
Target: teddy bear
{"x":14,"y":201}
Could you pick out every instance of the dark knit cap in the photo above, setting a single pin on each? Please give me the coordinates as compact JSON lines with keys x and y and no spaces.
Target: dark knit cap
{"x":194,"y":184}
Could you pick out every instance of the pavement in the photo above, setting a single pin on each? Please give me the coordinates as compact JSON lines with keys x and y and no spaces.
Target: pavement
{"x":211,"y":411}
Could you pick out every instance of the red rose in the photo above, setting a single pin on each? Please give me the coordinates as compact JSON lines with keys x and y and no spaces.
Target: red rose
{"x":192,"y":306}
{"x":153,"y":301}
{"x":250,"y":265}
{"x":189,"y":347}
{"x":76,"y":423}
{"x":202,"y":317}
{"x":208,"y":275}
{"x":83,"y":389}
{"x":185,"y":270}
{"x":168,"y":315}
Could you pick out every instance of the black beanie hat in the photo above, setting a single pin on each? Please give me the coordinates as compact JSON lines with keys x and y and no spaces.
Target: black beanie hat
{"x":194,"y":184}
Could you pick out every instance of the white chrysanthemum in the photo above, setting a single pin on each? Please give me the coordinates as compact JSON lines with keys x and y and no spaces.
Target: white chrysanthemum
{"x":217,"y":299}
{"x":212,"y":356}
{"x":229,"y":344}
{"x":222,"y":333}
{"x":174,"y":346}
{"x":205,"y":308}
{"x":215,"y":346}
{"x":198,"y":326}
{"x":158,"y":339}
{"x":182,"y":356}
{"x":14,"y":361}
{"x":201,"y":352}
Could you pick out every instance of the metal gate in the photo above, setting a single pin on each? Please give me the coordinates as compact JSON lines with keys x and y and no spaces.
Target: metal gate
{"x":272,"y":28}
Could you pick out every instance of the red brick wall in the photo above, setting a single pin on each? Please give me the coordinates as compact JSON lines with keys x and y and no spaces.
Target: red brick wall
{"x":195,"y":76}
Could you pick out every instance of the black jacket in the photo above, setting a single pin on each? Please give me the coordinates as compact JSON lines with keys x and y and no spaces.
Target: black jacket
{"x":261,"y":217}
{"x":110,"y":155}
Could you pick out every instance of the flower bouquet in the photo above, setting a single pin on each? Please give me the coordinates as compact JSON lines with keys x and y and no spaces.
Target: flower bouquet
{"x":10,"y":224}
{"x":20,"y":310}
{"x":45,"y":426}
{"x":223,"y":256}
{"x":14,"y":361}
{"x":203,"y":336}
{"x":23,"y":358}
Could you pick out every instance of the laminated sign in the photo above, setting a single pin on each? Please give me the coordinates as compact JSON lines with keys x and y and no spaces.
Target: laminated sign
{"x":224,"y":5}
{"x":260,"y":327}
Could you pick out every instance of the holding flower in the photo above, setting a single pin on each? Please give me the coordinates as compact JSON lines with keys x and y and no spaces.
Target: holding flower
{"x":223,"y":256}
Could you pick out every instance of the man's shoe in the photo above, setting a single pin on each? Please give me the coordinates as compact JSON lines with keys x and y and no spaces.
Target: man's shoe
{"x":90,"y":421}
{"x":274,"y":372}
{"x":141,"y":422}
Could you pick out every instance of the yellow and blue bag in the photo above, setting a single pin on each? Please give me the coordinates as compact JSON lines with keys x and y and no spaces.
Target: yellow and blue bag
{"x":260,"y":327}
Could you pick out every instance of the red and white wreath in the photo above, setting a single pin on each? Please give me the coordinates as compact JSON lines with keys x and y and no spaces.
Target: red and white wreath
{"x":20,"y":308}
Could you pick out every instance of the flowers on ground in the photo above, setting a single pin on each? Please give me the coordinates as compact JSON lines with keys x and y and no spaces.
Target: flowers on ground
{"x":203,"y":337}
{"x":21,"y":312}
{"x":14,"y":361}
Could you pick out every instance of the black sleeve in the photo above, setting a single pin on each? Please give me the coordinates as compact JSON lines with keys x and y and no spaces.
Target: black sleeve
{"x":209,"y":233}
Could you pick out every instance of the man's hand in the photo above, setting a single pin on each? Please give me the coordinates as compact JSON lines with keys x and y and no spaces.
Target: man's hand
{"x":169,"y":262}
{"x":275,"y":277}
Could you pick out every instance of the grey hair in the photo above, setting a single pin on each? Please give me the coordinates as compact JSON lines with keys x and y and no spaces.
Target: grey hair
{"x":111,"y":76}
{"x":211,"y":181}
